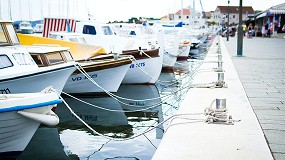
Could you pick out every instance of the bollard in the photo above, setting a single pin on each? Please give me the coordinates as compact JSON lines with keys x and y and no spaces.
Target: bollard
{"x":220,"y":66}
{"x":220,"y":57}
{"x":220,"y":103}
{"x":219,"y":50}
{"x":221,"y":77}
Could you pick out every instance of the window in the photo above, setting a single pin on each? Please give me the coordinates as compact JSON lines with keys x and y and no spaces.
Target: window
{"x":12,"y":34}
{"x":54,"y":58}
{"x":23,"y":58}
{"x":38,"y":60}
{"x":234,"y":16}
{"x":87,"y":29}
{"x":82,"y":40}
{"x":5,"y":62}
{"x":107,"y":30}
{"x":179,"y":17}
{"x":132,"y":33}
{"x":68,"y":55}
{"x":73,"y":39}
{"x":3,"y":39}
{"x":187,"y":17}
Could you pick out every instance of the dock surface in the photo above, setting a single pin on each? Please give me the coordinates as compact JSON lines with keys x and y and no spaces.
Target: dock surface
{"x":262,"y":73}
{"x":254,"y":98}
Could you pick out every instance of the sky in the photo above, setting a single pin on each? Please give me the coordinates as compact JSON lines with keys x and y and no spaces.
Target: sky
{"x":111,"y":10}
{"x":158,"y":8}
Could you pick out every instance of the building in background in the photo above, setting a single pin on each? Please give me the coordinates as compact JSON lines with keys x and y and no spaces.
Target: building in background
{"x":220,"y":15}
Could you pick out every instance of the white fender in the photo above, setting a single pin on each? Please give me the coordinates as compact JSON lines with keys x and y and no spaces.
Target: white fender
{"x":50,"y":118}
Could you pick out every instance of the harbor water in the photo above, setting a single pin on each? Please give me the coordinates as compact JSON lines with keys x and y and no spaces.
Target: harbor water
{"x":127,"y":125}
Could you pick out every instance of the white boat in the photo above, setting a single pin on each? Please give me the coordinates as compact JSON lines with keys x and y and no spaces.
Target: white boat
{"x":19,"y":72}
{"x":20,"y":116}
{"x":106,"y":71}
{"x":151,"y":67}
{"x":99,"y":34}
{"x":146,"y":67}
{"x":38,"y":28}
{"x":172,"y":49}
{"x":184,"y":50}
{"x":25,"y":27}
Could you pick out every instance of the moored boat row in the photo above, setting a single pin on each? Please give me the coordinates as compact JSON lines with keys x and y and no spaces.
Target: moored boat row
{"x":29,"y":63}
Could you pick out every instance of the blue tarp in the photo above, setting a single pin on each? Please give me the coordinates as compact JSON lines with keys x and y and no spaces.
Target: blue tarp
{"x":177,"y":25}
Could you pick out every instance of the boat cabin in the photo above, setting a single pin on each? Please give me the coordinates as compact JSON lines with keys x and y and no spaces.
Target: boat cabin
{"x":48,"y":55}
{"x":13,"y":61}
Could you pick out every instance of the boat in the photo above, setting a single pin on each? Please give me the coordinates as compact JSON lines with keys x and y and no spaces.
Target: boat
{"x":20,"y":73}
{"x":38,"y":28}
{"x":20,"y":116}
{"x":184,"y":50}
{"x":105,"y":71}
{"x":25,"y":27}
{"x":145,"y":69}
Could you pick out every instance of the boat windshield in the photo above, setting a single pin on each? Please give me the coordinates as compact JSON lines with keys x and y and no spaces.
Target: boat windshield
{"x":55,"y":58}
{"x":68,"y":56}
{"x":3,"y":39}
{"x":5,"y":62}
{"x":25,"y":25}
{"x":23,"y":58}
{"x":12,"y":34}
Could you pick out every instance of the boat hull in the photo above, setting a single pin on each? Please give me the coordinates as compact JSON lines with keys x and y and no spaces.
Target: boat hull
{"x":36,"y":81}
{"x":169,"y":60}
{"x":16,"y":132}
{"x":144,"y":71}
{"x":109,"y":79}
{"x":184,"y":51}
{"x":16,"y":129}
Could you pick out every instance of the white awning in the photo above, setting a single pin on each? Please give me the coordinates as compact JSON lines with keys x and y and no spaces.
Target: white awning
{"x":276,"y":11}
{"x":261,"y":15}
{"x":270,"y":12}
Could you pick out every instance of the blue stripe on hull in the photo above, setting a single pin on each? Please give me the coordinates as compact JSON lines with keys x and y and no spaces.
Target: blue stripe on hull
{"x":22,"y":107}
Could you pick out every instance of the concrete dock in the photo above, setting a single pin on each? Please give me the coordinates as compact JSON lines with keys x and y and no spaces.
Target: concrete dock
{"x":262,"y":73}
{"x":254,"y":94}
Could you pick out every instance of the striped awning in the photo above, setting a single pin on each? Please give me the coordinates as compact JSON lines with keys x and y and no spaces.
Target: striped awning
{"x":271,"y":12}
{"x":261,"y":15}
{"x":276,"y":11}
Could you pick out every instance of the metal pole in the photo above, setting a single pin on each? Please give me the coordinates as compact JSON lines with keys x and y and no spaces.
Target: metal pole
{"x":228,"y":30}
{"x":240,"y":32}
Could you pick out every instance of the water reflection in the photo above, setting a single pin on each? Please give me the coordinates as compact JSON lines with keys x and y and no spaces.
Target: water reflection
{"x":119,"y":119}
{"x":112,"y":122}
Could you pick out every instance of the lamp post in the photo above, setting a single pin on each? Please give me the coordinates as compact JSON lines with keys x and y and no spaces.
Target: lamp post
{"x":228,"y":31}
{"x":240,"y":32}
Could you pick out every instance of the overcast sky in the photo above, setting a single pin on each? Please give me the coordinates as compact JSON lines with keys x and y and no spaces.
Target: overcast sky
{"x":118,"y":9}
{"x":110,"y":10}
